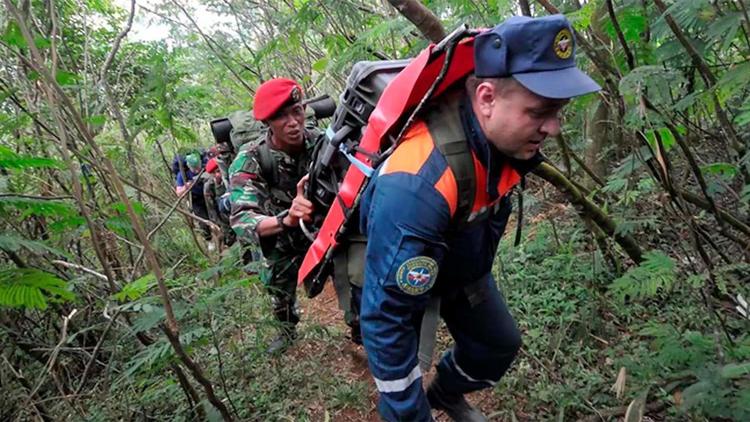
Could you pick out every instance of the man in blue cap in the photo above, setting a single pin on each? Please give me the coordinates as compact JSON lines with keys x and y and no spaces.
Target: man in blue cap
{"x":426,"y":239}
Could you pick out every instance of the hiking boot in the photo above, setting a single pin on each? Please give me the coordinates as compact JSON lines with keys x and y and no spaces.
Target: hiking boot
{"x":454,"y":405}
{"x":281,"y":342}
{"x":356,"y":334}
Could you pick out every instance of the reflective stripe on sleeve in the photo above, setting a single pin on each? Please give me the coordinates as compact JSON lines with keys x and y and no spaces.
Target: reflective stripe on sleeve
{"x":401,"y":384}
{"x":467,"y":376}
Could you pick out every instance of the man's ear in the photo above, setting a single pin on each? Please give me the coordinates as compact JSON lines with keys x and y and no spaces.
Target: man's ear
{"x":485,"y":98}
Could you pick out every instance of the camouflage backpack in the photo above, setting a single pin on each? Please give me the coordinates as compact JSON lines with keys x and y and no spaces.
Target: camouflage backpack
{"x":245,"y":128}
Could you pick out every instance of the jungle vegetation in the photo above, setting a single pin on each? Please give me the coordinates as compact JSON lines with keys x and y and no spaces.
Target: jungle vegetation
{"x":630,"y":283}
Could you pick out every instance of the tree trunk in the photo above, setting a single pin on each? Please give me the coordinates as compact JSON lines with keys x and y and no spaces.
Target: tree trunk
{"x":588,"y":209}
{"x":598,"y":134}
{"x":426,"y":21}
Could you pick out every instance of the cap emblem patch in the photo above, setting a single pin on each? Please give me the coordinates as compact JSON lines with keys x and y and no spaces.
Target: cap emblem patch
{"x":417,"y":275}
{"x":296,"y":95}
{"x":563,"y":44}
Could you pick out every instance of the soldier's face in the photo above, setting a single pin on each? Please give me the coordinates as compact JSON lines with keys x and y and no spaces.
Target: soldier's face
{"x":287,"y":125}
{"x":515,"y":120}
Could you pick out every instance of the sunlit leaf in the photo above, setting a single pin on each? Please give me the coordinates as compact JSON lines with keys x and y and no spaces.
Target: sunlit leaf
{"x":66,"y":78}
{"x":42,"y":43}
{"x":97,"y":120}
{"x":665,"y":136}
{"x":31,"y":288}
{"x":320,"y":65}
{"x":136,"y":289}
{"x":10,"y":160}
{"x":13,"y":36}
{"x":724,"y":169}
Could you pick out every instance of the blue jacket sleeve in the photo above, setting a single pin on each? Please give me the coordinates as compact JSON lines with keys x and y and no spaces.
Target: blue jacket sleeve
{"x":405,"y":219}
{"x":180,"y":182}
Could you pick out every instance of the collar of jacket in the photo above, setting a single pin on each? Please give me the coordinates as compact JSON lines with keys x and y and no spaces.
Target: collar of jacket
{"x":492,"y":159}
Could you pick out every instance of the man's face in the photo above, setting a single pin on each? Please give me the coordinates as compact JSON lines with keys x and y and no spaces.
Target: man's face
{"x":287,"y":125}
{"x":515,"y":120}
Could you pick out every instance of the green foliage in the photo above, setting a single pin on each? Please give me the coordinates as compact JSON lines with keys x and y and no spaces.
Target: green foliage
{"x":714,"y":390}
{"x":66,"y":78}
{"x":11,"y":160}
{"x":30,"y":288}
{"x":656,"y":274}
{"x":12,"y":35}
{"x":665,"y":137}
{"x":661,"y":84}
{"x":570,"y":301}
{"x":724,"y":169}
{"x":581,"y":18}
{"x":32,"y":206}
{"x":136,"y":289}
{"x":15,"y":243}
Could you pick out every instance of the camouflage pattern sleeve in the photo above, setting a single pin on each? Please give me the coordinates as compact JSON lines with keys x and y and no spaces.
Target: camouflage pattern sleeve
{"x":247,"y":193}
{"x":209,"y":194}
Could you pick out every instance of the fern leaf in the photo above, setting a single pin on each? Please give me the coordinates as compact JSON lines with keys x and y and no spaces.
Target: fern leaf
{"x":657,"y":272}
{"x":136,"y":289}
{"x":31,"y":289}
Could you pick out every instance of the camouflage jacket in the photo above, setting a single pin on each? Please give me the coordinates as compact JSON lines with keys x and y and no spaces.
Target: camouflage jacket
{"x":254,"y":197}
{"x":213,"y":188}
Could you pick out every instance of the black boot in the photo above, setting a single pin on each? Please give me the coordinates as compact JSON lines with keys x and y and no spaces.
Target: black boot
{"x":282,"y":342}
{"x":356,"y":333}
{"x":454,"y":405}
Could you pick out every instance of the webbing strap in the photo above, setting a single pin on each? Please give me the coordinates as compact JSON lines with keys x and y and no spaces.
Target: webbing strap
{"x":519,"y":225}
{"x":267,"y":166}
{"x":427,"y":333}
{"x":444,"y":123}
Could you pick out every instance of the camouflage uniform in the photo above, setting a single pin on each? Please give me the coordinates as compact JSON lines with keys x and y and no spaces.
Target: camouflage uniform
{"x":254,"y":198}
{"x":224,"y":160}
{"x":213,"y":189}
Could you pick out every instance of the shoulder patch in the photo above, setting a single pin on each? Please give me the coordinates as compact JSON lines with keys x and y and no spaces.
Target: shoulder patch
{"x":417,"y":275}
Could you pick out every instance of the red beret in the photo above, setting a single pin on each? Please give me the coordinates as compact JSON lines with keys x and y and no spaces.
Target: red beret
{"x":211,"y":165}
{"x":273,"y":94}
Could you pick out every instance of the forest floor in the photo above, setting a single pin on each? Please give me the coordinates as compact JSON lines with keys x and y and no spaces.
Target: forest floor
{"x":571,"y":355}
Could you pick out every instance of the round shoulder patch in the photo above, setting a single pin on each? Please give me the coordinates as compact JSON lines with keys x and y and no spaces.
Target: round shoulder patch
{"x":563,"y":44}
{"x":417,"y":275}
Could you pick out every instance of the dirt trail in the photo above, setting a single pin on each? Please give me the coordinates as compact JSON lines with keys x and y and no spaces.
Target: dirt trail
{"x":348,"y":358}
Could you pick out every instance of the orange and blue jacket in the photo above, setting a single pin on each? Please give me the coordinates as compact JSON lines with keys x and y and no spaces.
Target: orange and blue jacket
{"x":415,"y":249}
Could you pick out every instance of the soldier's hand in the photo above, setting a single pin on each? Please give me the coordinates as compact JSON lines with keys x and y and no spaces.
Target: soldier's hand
{"x":301,"y":207}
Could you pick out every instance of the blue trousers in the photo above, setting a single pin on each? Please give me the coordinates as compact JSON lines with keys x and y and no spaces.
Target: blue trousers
{"x":486,"y":338}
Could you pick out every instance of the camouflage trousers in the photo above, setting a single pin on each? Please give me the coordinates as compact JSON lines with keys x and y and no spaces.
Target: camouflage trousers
{"x":280,"y":279}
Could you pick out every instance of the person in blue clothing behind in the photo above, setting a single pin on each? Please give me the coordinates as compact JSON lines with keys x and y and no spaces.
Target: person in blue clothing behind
{"x":524,"y":74}
{"x":194,"y":163}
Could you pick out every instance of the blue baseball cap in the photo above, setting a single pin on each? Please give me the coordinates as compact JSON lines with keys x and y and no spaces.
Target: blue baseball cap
{"x":537,"y":52}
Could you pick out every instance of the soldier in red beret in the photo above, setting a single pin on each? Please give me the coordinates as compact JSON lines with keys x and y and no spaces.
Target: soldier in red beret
{"x":266,"y":181}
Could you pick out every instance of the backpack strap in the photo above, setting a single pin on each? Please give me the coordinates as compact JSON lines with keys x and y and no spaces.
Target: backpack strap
{"x":519,"y":225}
{"x":447,"y":131}
{"x":268,"y":167}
